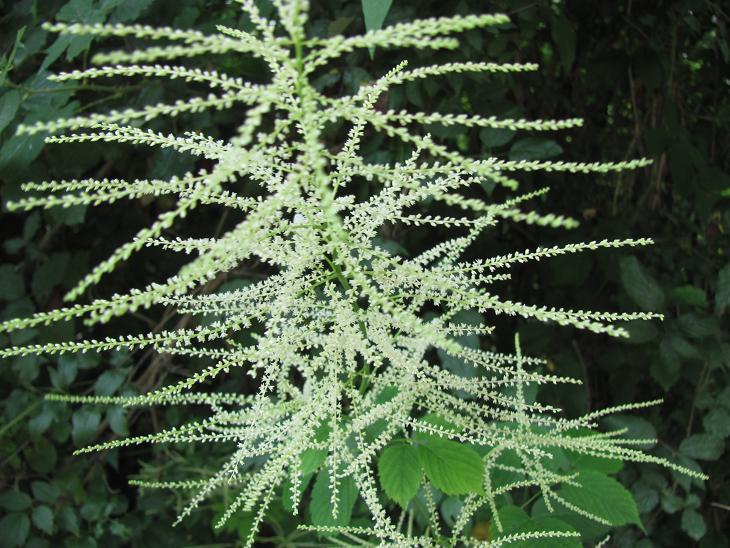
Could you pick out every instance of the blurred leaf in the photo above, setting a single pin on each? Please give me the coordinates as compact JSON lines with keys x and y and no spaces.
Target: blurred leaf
{"x":636,"y":428}
{"x":42,"y":457}
{"x":564,"y":36}
{"x":15,"y":529}
{"x":14,"y":501}
{"x":689,"y":294}
{"x":640,"y":285}
{"x":693,"y":524}
{"x":702,"y":447}
{"x":45,"y":492}
{"x":109,"y":381}
{"x":722,"y":293}
{"x":717,"y":422}
{"x":534,"y":148}
{"x":9,"y":103}
{"x":85,"y":424}
{"x":43,"y":519}
{"x":11,"y":283}
{"x":495,"y":137}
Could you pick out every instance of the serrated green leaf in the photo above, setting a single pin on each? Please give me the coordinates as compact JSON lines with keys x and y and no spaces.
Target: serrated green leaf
{"x":693,"y":524}
{"x":117,"y":417}
{"x":452,"y":467}
{"x":43,"y":519}
{"x":109,"y":381}
{"x":45,"y":492}
{"x":702,"y":447}
{"x":640,"y":285}
{"x":9,"y":103}
{"x":321,"y":504}
{"x":14,"y":501}
{"x":68,"y":521}
{"x":15,"y":529}
{"x":603,"y":497}
{"x":42,"y":457}
{"x":400,"y":474}
{"x":11,"y":283}
{"x":717,"y":422}
{"x":85,"y":423}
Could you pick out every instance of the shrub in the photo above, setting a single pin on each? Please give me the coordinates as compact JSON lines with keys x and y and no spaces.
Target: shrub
{"x":367,"y":361}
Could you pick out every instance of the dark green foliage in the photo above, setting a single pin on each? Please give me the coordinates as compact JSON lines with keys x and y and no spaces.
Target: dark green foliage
{"x":650,"y":78}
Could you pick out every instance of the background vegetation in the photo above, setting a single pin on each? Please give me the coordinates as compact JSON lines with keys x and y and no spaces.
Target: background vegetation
{"x":649,"y":78}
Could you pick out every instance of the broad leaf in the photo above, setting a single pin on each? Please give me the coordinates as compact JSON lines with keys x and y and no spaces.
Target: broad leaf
{"x":603,"y":497}
{"x":400,"y":472}
{"x":14,"y":529}
{"x":452,"y":467}
{"x":702,"y":447}
{"x":640,"y":286}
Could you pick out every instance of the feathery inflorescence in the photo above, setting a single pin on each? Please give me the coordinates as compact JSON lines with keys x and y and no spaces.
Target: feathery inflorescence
{"x":341,"y":365}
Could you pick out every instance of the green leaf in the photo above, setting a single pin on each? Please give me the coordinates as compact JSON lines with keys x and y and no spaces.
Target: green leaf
{"x":452,"y":467}
{"x":117,"y":417}
{"x":14,"y":501}
{"x":85,"y":423}
{"x":636,"y":428}
{"x":702,"y":447}
{"x":15,"y":529}
{"x":9,"y":103}
{"x":48,"y":275}
{"x":693,"y":524}
{"x":400,"y":475}
{"x":534,"y":148}
{"x":45,"y":492}
{"x":43,"y":519}
{"x":564,"y":36}
{"x":375,"y":12}
{"x":495,"y":137}
{"x":109,"y":381}
{"x":690,"y":294}
{"x":717,"y":422}
{"x":321,"y":505}
{"x":11,"y":283}
{"x":42,"y":457}
{"x":603,"y":497}
{"x":722,"y":292}
{"x":640,"y":286}
{"x":68,"y":521}
{"x":640,"y":331}
{"x":312,"y":460}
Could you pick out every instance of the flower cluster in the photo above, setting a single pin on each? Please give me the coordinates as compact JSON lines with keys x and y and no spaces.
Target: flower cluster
{"x":341,"y":355}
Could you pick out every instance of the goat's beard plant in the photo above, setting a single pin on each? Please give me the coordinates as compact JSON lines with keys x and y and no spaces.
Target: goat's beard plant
{"x":345,"y":387}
